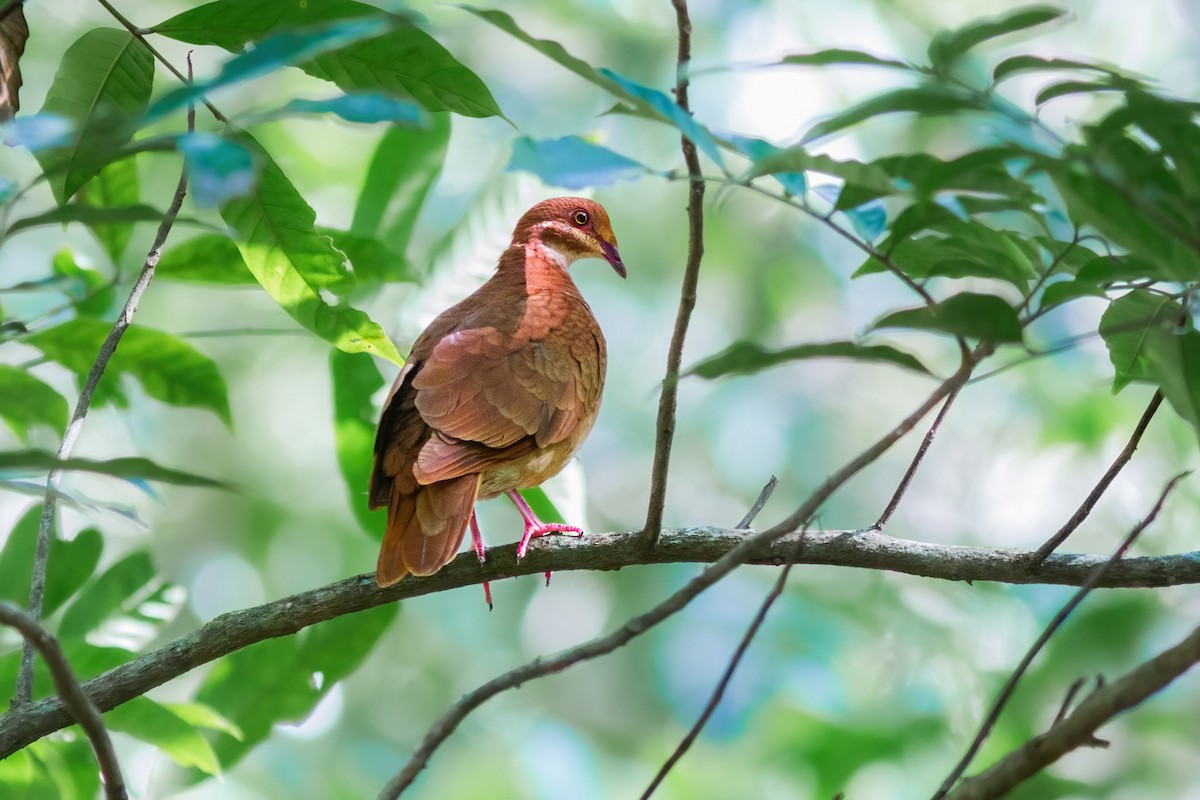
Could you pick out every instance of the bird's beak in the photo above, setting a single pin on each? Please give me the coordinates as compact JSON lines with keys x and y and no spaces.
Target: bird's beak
{"x":613,"y":257}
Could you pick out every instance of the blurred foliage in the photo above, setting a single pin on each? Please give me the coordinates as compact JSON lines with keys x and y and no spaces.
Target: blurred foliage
{"x":1013,"y":163}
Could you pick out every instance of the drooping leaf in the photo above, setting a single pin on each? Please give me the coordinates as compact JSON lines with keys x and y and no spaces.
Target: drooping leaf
{"x":218,"y":169}
{"x":1174,"y":361}
{"x":402,"y":169}
{"x":91,"y":293}
{"x":293,"y":262}
{"x":107,"y":594}
{"x":94,"y":216}
{"x":927,"y":100}
{"x":363,"y":107}
{"x":981,"y":171}
{"x":159,"y":725}
{"x":103,"y":85}
{"x":168,"y":368}
{"x":746,"y":358}
{"x":948,"y":46}
{"x":1016,"y":65}
{"x":966,"y":250}
{"x":836,"y":56}
{"x":115,"y":186}
{"x":671,"y":112}
{"x":16,"y":557}
{"x":284,"y":48}
{"x":1064,"y":291}
{"x":14,"y":32}
{"x":209,"y":258}
{"x":757,"y":150}
{"x":868,"y":180}
{"x":1128,"y":324}
{"x":70,"y":565}
{"x":1110,"y":269}
{"x":25,"y":401}
{"x":199,"y":715}
{"x":355,"y":380}
{"x":130,"y":467}
{"x":372,"y":261}
{"x":572,"y":162}
{"x":1064,"y":88}
{"x":973,"y":316}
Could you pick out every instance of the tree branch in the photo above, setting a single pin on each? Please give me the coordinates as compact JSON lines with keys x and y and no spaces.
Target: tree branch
{"x":898,"y":495}
{"x":37,"y":587}
{"x":236,"y":630}
{"x":74,"y":700}
{"x":687,"y":293}
{"x":1010,"y":685}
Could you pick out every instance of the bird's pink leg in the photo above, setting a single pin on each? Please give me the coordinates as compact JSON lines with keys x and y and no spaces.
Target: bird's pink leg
{"x":481,"y":551}
{"x":534,"y":527}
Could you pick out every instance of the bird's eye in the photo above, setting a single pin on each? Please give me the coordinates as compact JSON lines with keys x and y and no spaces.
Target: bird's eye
{"x":581,"y":218}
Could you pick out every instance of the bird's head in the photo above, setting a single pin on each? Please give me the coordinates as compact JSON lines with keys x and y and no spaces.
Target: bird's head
{"x":573,"y":227}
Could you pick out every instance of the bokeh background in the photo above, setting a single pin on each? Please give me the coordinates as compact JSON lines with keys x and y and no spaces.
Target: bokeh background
{"x":864,"y":682}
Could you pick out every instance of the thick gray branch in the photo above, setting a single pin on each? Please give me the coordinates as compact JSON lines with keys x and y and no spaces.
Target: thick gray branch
{"x":606,"y":551}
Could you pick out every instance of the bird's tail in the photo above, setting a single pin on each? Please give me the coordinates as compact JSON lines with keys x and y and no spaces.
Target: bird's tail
{"x":425,"y":528}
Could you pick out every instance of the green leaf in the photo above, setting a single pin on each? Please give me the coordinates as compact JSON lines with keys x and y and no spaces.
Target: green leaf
{"x":25,"y":401}
{"x":757,"y":150}
{"x":948,"y":46}
{"x":572,"y":162}
{"x":293,"y":262}
{"x":1171,"y":123}
{"x":542,"y":505}
{"x":107,"y":595}
{"x":1025,"y":63}
{"x":211,"y":258}
{"x":103,"y":86}
{"x":91,"y":293}
{"x":403,"y":168}
{"x":671,"y":112}
{"x":16,"y":557}
{"x":746,"y":358}
{"x":218,"y":169}
{"x":969,"y":250}
{"x":157,"y":724}
{"x":285,"y":48}
{"x":1064,"y":291}
{"x":1174,"y":360}
{"x":70,"y":565}
{"x":982,"y":171}
{"x":364,"y":108}
{"x":282,"y":680}
{"x":1128,"y":324}
{"x":404,"y":61}
{"x":973,"y":316}
{"x":867,"y":179}
{"x":1110,"y":269}
{"x":355,"y":380}
{"x":168,"y":368}
{"x":94,"y":216}
{"x":372,"y":261}
{"x":1064,"y":88}
{"x":838,"y":56}
{"x":926,"y":100}
{"x":115,"y":186}
{"x":128,"y":467}
{"x":199,"y":715}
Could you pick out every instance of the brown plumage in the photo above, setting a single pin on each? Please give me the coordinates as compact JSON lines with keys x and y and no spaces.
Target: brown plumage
{"x":497,"y":394}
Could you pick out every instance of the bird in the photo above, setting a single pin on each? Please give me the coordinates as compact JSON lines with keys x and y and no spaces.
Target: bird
{"x":496,"y":395}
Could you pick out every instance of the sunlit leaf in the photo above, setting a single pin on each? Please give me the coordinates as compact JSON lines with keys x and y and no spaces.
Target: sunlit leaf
{"x":949,"y":46}
{"x":218,"y":169}
{"x":25,"y":401}
{"x":355,"y":380}
{"x":115,"y":186}
{"x":168,"y":368}
{"x":128,"y":468}
{"x":927,"y":100}
{"x":103,"y":86}
{"x":973,"y":316}
{"x":199,"y":715}
{"x":293,"y":262}
{"x":210,"y":258}
{"x":572,"y":162}
{"x":107,"y":594}
{"x":372,"y":261}
{"x":159,"y":725}
{"x":746,"y":358}
{"x":364,"y":107}
{"x":92,"y":293}
{"x":836,"y":56}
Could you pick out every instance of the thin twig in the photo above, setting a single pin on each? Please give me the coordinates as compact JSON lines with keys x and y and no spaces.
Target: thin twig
{"x":687,"y":293}
{"x":1079,"y":729}
{"x":755,"y":509}
{"x":37,"y":587}
{"x":869,"y":550}
{"x":73,"y":697}
{"x":916,"y":462}
{"x":1101,"y":487}
{"x":140,"y":35}
{"x":719,"y":691}
{"x":1010,"y":686}
{"x":603,"y":645}
{"x":1072,"y":690}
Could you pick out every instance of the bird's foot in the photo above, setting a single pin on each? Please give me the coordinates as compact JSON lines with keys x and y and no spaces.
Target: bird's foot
{"x":481,"y":552}
{"x":544,"y":529}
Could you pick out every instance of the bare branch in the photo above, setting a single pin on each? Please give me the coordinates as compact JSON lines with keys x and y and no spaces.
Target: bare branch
{"x":719,"y":690}
{"x":687,"y":292}
{"x":74,"y":700}
{"x":1079,"y":729}
{"x":1010,"y":686}
{"x":1101,"y":487}
{"x":37,"y":587}
{"x":757,"y":508}
{"x":916,"y":462}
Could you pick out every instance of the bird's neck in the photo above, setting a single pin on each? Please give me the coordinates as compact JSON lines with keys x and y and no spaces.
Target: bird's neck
{"x":540,"y":265}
